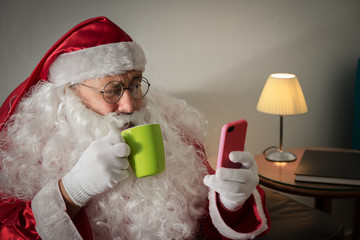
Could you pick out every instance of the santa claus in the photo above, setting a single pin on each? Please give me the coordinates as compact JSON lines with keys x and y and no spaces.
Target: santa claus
{"x":64,"y":172}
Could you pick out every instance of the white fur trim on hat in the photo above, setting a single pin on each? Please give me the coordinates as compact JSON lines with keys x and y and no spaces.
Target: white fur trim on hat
{"x":96,"y":62}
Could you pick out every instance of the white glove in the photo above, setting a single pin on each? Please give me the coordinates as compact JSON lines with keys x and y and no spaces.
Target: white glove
{"x":102,"y":165}
{"x":235,"y":185}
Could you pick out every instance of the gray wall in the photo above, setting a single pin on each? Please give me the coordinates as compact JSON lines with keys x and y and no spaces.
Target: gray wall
{"x":217,"y":56}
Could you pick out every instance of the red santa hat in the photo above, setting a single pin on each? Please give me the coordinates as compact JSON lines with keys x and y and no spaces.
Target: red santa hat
{"x":94,"y":48}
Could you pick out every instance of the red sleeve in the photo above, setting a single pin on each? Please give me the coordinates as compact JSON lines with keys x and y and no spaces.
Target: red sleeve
{"x":246,"y":220}
{"x":17,"y":221}
{"x":82,"y":224}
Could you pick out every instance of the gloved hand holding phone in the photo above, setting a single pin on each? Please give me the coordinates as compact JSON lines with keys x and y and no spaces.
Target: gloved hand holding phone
{"x":236,"y":173}
{"x":235,"y":185}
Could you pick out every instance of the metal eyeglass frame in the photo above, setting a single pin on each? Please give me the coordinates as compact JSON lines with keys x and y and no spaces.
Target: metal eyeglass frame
{"x":143,"y":79}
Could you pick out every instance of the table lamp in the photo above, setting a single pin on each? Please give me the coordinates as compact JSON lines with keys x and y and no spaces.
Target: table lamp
{"x":282,"y":95}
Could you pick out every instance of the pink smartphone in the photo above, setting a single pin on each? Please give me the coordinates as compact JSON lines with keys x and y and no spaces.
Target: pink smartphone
{"x":232,"y":138}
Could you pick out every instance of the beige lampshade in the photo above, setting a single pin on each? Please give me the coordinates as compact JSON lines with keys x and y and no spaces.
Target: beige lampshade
{"x":282,"y":95}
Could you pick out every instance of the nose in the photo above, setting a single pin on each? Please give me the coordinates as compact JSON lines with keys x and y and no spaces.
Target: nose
{"x":126,"y":104}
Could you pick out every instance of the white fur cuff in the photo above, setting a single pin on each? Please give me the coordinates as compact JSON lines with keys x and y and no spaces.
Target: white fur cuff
{"x":227,"y":231}
{"x":52,"y":220}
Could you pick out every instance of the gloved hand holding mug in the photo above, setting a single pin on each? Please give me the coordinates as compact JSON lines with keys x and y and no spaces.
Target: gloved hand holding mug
{"x":102,"y":165}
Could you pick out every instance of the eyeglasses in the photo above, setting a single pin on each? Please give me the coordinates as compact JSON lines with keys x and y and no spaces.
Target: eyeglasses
{"x":114,"y":90}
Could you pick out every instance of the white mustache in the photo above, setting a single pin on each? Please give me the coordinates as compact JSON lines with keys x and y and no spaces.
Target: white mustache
{"x":122,"y":121}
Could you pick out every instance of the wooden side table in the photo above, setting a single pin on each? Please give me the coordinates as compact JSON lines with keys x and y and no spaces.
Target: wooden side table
{"x":281,"y":176}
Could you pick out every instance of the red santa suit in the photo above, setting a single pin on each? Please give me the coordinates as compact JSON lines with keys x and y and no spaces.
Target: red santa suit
{"x":42,"y":211}
{"x":18,"y":221}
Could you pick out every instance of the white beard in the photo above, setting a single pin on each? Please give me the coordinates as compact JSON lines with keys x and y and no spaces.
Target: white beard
{"x":53,"y":128}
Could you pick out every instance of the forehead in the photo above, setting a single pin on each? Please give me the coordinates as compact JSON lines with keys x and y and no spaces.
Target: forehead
{"x":124,"y":78}
{"x":128,"y":76}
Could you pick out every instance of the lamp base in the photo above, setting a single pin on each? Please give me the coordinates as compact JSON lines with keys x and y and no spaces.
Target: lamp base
{"x":280,"y":156}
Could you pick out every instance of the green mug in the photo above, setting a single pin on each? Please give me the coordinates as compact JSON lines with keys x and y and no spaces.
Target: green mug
{"x":147,"y":157}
